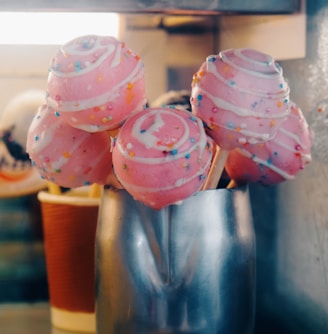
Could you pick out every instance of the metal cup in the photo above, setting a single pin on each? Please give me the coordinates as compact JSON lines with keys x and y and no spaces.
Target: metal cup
{"x":187,"y":268}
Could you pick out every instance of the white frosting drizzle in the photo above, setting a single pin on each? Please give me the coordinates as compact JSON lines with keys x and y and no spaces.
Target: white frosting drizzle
{"x":178,"y":183}
{"x":46,"y":136}
{"x":71,"y":49}
{"x":274,"y":96}
{"x":266,"y":75}
{"x":148,"y":139}
{"x":151,"y":141}
{"x":305,"y":157}
{"x":274,"y":168}
{"x":68,"y":106}
{"x":240,"y":111}
{"x":61,"y":161}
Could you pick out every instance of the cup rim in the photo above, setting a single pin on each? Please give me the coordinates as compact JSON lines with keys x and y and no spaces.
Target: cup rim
{"x":75,"y":197}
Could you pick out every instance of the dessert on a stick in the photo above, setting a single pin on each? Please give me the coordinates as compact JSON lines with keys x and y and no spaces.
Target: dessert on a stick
{"x":242,"y":97}
{"x":67,"y":156}
{"x":95,"y":82}
{"x":277,"y":160}
{"x":162,"y":155}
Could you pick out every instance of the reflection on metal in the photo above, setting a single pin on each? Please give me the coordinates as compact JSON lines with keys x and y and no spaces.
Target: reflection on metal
{"x":187,"y":268}
{"x":155,"y":6}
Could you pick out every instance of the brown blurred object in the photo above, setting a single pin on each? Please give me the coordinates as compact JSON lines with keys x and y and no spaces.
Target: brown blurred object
{"x":69,"y":223}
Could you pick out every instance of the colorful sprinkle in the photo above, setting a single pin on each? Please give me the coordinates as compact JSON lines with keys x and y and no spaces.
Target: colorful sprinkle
{"x":107,"y":119}
{"x":78,"y":66}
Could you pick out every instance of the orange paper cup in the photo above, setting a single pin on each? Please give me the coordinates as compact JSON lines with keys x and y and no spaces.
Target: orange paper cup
{"x":69,"y":224}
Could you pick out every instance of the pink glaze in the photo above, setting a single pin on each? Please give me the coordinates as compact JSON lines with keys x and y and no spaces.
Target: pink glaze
{"x":95,"y":82}
{"x":162,"y":156}
{"x":65,"y":155}
{"x":277,"y":160}
{"x":241,"y":96}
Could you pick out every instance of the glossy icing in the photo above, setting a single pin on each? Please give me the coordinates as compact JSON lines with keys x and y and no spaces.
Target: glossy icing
{"x":65,"y":155}
{"x":277,"y":160}
{"x":241,"y":96}
{"x":95,"y":82}
{"x":162,"y":155}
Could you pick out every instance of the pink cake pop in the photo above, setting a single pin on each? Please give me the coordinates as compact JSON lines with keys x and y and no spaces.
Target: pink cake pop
{"x":65,"y":155}
{"x":242,"y":97}
{"x":95,"y":82}
{"x":162,"y":156}
{"x":277,"y":160}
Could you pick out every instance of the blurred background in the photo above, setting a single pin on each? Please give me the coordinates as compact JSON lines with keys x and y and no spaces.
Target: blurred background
{"x":173,"y":38}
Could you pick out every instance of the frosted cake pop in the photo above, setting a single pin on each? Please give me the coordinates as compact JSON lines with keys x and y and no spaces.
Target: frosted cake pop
{"x":65,"y":155}
{"x":241,"y":96}
{"x":17,"y":175}
{"x":277,"y":160}
{"x":162,"y":156}
{"x":95,"y":82}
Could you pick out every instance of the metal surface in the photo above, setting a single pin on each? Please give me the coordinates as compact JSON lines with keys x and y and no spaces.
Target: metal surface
{"x":187,"y":268}
{"x":194,"y":7}
{"x":293,"y":240}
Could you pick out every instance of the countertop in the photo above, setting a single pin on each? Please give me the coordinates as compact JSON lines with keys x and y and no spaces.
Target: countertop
{"x":31,"y":318}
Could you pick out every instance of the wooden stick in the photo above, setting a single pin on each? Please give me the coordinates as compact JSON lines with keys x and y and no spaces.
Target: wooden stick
{"x":53,"y":188}
{"x":216,"y":169}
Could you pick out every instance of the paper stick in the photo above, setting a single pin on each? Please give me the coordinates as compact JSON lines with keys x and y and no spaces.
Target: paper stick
{"x":232,"y":184}
{"x":53,"y":188}
{"x":95,"y":190}
{"x":216,"y":169}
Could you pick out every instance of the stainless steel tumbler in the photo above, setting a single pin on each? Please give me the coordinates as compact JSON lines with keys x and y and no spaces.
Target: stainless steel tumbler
{"x":187,"y":268}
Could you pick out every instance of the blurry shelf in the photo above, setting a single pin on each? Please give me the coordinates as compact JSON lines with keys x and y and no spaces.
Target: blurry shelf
{"x":194,"y":7}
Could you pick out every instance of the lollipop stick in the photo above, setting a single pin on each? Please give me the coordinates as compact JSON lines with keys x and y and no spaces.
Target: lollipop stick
{"x":232,"y":184}
{"x":95,"y":191}
{"x":216,"y":169}
{"x":53,"y":188}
